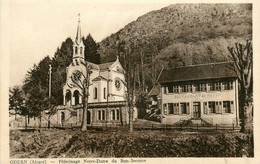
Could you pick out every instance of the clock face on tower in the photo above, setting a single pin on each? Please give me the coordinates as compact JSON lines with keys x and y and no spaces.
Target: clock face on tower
{"x":118,"y":84}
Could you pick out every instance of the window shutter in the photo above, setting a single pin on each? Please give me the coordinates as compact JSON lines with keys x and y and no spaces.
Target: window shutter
{"x":205,"y":108}
{"x":188,"y":108}
{"x":217,"y":107}
{"x":232,"y":106}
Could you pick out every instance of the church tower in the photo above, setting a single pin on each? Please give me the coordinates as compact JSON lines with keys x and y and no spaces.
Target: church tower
{"x":78,"y":46}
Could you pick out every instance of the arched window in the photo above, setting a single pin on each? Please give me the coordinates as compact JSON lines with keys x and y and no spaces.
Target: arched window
{"x":76,"y":96}
{"x":95,"y":93}
{"x":99,"y":115}
{"x":76,"y":50}
{"x":81,"y":49}
{"x":68,"y":97}
{"x":113,"y":115}
{"x":62,"y":116}
{"x":103,"y":115}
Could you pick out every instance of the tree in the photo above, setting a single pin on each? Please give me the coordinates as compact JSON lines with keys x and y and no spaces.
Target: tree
{"x":242,"y":57}
{"x":81,"y":80}
{"x":36,"y":88}
{"x":16,"y":98}
{"x":91,"y":47}
{"x":128,"y":59}
{"x":62,"y":59}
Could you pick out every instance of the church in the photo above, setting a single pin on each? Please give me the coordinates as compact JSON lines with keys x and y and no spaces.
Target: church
{"x":106,"y":101}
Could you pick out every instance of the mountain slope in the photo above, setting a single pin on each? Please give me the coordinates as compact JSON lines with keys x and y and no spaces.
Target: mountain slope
{"x":183,"y":34}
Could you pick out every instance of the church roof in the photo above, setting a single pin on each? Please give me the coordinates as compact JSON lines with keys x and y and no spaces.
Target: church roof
{"x":99,"y":78}
{"x":93,"y":65}
{"x":105,"y":65}
{"x":197,"y":72}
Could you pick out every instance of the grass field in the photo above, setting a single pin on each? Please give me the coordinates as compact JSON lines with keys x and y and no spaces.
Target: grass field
{"x":77,"y":144}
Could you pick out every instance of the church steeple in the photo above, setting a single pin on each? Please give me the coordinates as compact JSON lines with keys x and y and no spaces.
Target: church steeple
{"x":78,"y":46}
{"x":78,"y":36}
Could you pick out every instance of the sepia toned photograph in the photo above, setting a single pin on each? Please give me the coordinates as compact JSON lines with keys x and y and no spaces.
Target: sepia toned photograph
{"x":130,"y":80}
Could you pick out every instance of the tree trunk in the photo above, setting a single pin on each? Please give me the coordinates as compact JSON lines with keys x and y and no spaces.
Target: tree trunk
{"x":131,"y":118}
{"x":247,"y":121}
{"x":85,"y":112}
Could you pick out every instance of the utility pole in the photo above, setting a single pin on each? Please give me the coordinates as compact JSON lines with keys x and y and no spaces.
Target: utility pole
{"x":49,"y":96}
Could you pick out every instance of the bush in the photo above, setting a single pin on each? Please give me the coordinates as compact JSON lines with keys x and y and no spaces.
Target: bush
{"x":138,"y":144}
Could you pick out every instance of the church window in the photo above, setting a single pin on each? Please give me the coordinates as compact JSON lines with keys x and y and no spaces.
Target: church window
{"x":117,"y":114}
{"x":118,"y":84}
{"x":103,"y":115}
{"x":95,"y":93}
{"x":105,"y":96}
{"x":113,"y":115}
{"x":76,"y":50}
{"x":99,"y":115}
{"x":81,"y":49}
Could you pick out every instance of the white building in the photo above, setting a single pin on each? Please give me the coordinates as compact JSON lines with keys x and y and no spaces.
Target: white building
{"x":106,"y":101}
{"x":208,"y":93}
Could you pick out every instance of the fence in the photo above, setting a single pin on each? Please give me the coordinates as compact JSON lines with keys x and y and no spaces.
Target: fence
{"x":137,"y":127}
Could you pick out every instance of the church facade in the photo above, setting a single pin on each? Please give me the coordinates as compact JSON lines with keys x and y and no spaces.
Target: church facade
{"x":106,"y":101}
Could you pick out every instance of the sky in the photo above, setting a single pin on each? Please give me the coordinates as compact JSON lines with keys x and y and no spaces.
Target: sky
{"x":37,"y":29}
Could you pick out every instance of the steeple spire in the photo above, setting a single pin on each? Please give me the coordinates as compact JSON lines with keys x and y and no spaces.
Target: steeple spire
{"x":78,"y":36}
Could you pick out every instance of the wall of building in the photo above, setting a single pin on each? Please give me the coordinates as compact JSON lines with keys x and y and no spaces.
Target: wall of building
{"x":202,"y":97}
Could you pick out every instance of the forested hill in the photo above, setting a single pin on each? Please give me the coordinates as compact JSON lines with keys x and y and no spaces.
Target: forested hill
{"x":183,"y":34}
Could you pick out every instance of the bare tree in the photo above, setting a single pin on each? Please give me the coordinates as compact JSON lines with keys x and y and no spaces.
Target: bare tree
{"x":82,"y":81}
{"x":242,"y":57}
{"x":128,"y":59}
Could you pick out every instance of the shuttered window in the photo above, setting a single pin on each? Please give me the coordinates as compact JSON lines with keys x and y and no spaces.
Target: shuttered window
{"x":203,"y":87}
{"x":170,"y":108}
{"x":175,"y":89}
{"x":188,"y":108}
{"x":212,"y":107}
{"x":176,"y":108}
{"x":218,"y":107}
{"x":170,"y":89}
{"x":182,"y":88}
{"x":189,"y":88}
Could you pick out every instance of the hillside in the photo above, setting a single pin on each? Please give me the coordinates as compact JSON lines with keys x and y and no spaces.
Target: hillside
{"x":183,"y":34}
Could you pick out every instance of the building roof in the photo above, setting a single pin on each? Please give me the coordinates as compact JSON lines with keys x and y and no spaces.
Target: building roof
{"x":197,"y":72}
{"x":99,"y":78}
{"x":105,"y":65}
{"x":155,"y":91}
